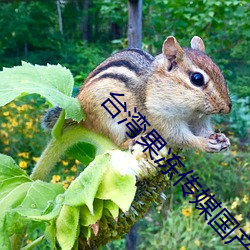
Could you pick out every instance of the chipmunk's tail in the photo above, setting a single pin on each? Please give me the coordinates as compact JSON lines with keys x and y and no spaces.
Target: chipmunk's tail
{"x":50,"y":117}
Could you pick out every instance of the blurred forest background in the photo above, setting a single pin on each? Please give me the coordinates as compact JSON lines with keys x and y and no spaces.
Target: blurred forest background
{"x":79,"y":34}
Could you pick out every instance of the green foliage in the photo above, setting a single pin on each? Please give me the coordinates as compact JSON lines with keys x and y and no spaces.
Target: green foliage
{"x":52,"y":82}
{"x":30,"y":32}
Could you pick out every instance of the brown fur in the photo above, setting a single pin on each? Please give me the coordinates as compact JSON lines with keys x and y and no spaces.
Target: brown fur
{"x":161,"y":90}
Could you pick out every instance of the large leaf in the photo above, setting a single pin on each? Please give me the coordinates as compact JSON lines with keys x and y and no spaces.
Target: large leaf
{"x":21,"y":197}
{"x":53,"y":82}
{"x":83,"y":189}
{"x":83,"y":152}
{"x":9,"y":168}
{"x":67,"y":226}
{"x":118,"y":188}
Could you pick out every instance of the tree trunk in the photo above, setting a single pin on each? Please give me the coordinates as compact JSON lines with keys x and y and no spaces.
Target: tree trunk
{"x":59,"y":16}
{"x":135,"y":23}
{"x":131,"y":238}
{"x":85,"y":20}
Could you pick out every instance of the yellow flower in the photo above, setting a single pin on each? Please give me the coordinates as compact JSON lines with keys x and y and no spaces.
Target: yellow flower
{"x":55,"y":178}
{"x":238,"y":217}
{"x":14,"y":123}
{"x":4,"y":134}
{"x":35,"y":159}
{"x":182,"y":248}
{"x":77,"y":162}
{"x":73,"y":168}
{"x":6,"y":141}
{"x":204,"y":200}
{"x":65,"y":163}
{"x":23,"y":164}
{"x":245,"y":198}
{"x":70,"y":178}
{"x":65,"y":185}
{"x":24,"y":154}
{"x":197,"y":242}
{"x":6,"y":113}
{"x":187,"y":211}
{"x":235,"y":203}
{"x":234,"y":152}
{"x":224,"y":164}
{"x":12,"y":105}
{"x":29,"y":124}
{"x":247,"y":228}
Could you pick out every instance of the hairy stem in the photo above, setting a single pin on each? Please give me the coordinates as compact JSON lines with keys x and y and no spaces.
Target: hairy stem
{"x":57,"y":147}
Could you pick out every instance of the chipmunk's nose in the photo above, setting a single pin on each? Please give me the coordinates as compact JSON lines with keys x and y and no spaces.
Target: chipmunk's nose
{"x":226,"y":109}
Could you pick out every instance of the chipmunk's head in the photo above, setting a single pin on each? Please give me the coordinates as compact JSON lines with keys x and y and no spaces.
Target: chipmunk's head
{"x":194,"y":78}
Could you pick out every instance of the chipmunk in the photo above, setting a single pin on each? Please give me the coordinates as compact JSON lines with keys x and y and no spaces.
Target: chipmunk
{"x":176,"y":91}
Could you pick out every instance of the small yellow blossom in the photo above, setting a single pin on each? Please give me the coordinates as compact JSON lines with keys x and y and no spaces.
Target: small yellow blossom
{"x":245,"y":198}
{"x":187,"y":211}
{"x":12,"y":105}
{"x":197,"y":152}
{"x":65,"y":163}
{"x":70,"y":178}
{"x":182,"y":248}
{"x":204,"y":200}
{"x":197,"y":242}
{"x":234,"y":152}
{"x":6,"y":141}
{"x":14,"y":123}
{"x":224,"y":164}
{"x":6,"y":113}
{"x":7,"y":149}
{"x":77,"y":162}
{"x":35,"y":159}
{"x":55,"y":178}
{"x":4,"y":134}
{"x":24,"y":154}
{"x":73,"y":168}
{"x":246,"y":228}
{"x":235,"y":204}
{"x":23,"y":164}
{"x":238,"y":217}
{"x":65,"y":185}
{"x":29,"y":124}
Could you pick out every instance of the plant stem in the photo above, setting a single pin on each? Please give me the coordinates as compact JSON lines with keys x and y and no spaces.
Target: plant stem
{"x":57,"y":147}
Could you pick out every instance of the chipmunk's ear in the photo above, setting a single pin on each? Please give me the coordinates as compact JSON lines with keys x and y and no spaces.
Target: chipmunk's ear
{"x":197,"y":43}
{"x":171,"y":49}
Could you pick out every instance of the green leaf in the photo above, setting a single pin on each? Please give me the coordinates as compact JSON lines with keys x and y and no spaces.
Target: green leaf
{"x":9,"y":168}
{"x":6,"y":186}
{"x":118,"y":188}
{"x":39,"y":194}
{"x":67,"y":226}
{"x":50,"y":234}
{"x":34,"y":243}
{"x":83,"y":189}
{"x":86,"y":218}
{"x":83,"y":152}
{"x":112,"y":208}
{"x":53,"y":82}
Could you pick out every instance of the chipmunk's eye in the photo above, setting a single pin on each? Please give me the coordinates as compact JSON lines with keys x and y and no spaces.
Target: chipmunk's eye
{"x":197,"y":79}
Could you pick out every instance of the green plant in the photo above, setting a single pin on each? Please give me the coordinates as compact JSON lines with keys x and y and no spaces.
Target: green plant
{"x":100,"y":205}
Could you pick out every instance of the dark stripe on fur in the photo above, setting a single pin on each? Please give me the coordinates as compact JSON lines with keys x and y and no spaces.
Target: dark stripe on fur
{"x":142,"y":53}
{"x":119,"y":77}
{"x":119,"y":63}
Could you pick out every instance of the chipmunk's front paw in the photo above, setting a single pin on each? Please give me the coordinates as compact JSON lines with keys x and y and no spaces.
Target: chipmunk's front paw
{"x":218,"y":142}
